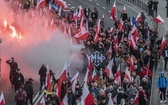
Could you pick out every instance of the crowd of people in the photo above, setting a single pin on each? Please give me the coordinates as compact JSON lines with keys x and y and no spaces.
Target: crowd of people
{"x":139,"y":59}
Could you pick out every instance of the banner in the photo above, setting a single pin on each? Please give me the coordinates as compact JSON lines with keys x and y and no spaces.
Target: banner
{"x":98,"y":58}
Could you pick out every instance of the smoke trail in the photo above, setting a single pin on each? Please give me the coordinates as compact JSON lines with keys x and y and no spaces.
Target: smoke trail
{"x":39,"y":44}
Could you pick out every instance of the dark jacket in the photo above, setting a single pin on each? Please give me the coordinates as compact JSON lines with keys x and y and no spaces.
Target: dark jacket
{"x":13,"y":66}
{"x":42,"y":71}
{"x":18,"y":79}
{"x":29,"y":88}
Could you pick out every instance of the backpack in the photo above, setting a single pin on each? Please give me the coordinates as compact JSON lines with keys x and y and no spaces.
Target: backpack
{"x":20,"y":96}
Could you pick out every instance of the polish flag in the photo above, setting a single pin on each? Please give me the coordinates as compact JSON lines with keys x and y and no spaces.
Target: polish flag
{"x":63,"y":77}
{"x":120,"y":25}
{"x":108,"y":69}
{"x":132,"y":43}
{"x":75,"y":15}
{"x":82,"y":23}
{"x":110,"y":101}
{"x":81,"y":34}
{"x":113,"y":12}
{"x":134,"y":32}
{"x":118,"y":76}
{"x":94,"y":75}
{"x":138,"y":19}
{"x":62,"y":4}
{"x":163,"y":43}
{"x":40,"y":3}
{"x":127,"y":74}
{"x":76,"y":76}
{"x":59,"y":12}
{"x":49,"y":80}
{"x":96,"y":38}
{"x":131,"y":64}
{"x":158,"y":19}
{"x":116,"y":44}
{"x":90,"y":63}
{"x":87,"y":98}
{"x":136,"y":99}
{"x":2,"y":99}
{"x":81,"y":12}
{"x":87,"y":77}
{"x":42,"y":102}
{"x":64,"y":101}
{"x":124,"y":9}
{"x":112,"y":30}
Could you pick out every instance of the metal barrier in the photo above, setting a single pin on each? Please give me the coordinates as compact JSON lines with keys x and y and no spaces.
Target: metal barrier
{"x":141,"y":5}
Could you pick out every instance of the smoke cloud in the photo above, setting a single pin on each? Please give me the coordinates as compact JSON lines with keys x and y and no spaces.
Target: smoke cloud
{"x":38,"y":45}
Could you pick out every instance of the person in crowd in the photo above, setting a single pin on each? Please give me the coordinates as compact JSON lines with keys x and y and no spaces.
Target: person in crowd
{"x":131,"y":91}
{"x":155,"y":5}
{"x":150,"y":6}
{"x":102,"y":23}
{"x":70,"y":96}
{"x":87,"y":12}
{"x":28,"y":87}
{"x":162,"y":84}
{"x":108,"y":1}
{"x":52,"y":99}
{"x":42,"y":73}
{"x":13,"y":67}
{"x":20,"y":96}
{"x":124,"y":16}
{"x":142,"y":96}
{"x":165,"y":56}
{"x":18,"y":79}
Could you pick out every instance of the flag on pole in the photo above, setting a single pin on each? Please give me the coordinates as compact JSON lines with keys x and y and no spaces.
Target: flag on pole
{"x":139,"y":19}
{"x":163,"y":43}
{"x":94,"y":75}
{"x":62,"y":4}
{"x":158,"y":19}
{"x":96,"y":38}
{"x":134,"y":32}
{"x":127,"y":74}
{"x":113,"y":11}
{"x":40,"y":3}
{"x":118,"y":76}
{"x":2,"y":99}
{"x":90,"y":63}
{"x":124,"y":9}
{"x":108,"y":69}
{"x":64,"y":101}
{"x":42,"y":102}
{"x":81,"y":34}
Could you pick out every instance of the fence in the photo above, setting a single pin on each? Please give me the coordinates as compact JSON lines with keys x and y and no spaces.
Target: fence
{"x":141,"y":4}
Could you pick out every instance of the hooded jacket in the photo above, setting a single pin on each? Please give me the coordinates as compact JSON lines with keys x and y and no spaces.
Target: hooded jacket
{"x":162,"y":81}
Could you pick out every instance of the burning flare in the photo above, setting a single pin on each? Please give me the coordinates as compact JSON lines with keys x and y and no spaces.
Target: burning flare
{"x":14,"y":31}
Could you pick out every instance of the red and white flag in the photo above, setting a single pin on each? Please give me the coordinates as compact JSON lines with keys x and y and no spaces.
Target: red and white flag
{"x":127,"y":75}
{"x":120,"y":25}
{"x":139,"y":19}
{"x":62,"y":4}
{"x":110,"y":101}
{"x":2,"y":99}
{"x":96,"y":38}
{"x":118,"y":76}
{"x":90,"y":63}
{"x":63,"y":77}
{"x":40,"y":3}
{"x":158,"y":19}
{"x":87,"y":98}
{"x":73,"y":85}
{"x":49,"y":80}
{"x":42,"y":102}
{"x":113,"y":12}
{"x":124,"y":9}
{"x":87,"y":76}
{"x":64,"y":101}
{"x":134,"y":32}
{"x":82,"y":23}
{"x":81,"y":12}
{"x":132,"y":43}
{"x":116,"y":44}
{"x":108,"y":69}
{"x":94,"y":75}
{"x":81,"y":34}
{"x":136,"y":100}
{"x":59,"y":12}
{"x":111,"y":29}
{"x":76,"y":76}
{"x":131,"y":64}
{"x":163,"y":43}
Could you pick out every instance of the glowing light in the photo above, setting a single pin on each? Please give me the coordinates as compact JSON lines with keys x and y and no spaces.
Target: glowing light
{"x":5,"y":23}
{"x":14,"y":33}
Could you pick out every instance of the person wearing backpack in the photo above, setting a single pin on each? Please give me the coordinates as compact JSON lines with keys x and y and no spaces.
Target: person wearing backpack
{"x":162,"y":84}
{"x":20,"y":96}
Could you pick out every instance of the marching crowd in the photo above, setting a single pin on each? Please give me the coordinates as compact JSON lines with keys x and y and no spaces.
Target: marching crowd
{"x":132,"y":53}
